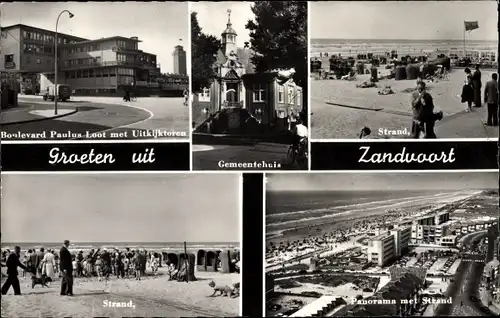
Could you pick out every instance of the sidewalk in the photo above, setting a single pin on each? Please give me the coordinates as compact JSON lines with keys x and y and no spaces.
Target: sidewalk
{"x":27,"y":112}
{"x":485,"y":299}
{"x":463,"y":124}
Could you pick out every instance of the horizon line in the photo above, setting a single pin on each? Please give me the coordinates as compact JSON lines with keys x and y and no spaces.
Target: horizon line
{"x":376,"y":190}
{"x":154,"y":242}
{"x":440,"y":39}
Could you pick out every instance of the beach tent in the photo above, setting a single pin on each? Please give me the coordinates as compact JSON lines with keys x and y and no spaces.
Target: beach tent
{"x":360,"y":68}
{"x":187,"y":260}
{"x":226,"y":261}
{"x":173,"y":258}
{"x":201,"y":261}
{"x":412,"y":71}
{"x":211,"y":261}
{"x":400,"y":73}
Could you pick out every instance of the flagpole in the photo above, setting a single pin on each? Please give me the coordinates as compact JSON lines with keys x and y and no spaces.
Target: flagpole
{"x":465,"y":53}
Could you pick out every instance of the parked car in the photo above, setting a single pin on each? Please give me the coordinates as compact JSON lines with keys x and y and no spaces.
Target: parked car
{"x":63,"y":90}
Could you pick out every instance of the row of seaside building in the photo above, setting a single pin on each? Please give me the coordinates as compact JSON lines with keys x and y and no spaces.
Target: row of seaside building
{"x":434,"y":229}
{"x":105,"y":66}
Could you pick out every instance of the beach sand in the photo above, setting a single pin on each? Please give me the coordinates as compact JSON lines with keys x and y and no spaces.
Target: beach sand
{"x":316,"y":226}
{"x":332,"y":121}
{"x":152,"y":296}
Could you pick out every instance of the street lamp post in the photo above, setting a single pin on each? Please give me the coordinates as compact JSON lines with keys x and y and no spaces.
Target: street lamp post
{"x":56,"y":96}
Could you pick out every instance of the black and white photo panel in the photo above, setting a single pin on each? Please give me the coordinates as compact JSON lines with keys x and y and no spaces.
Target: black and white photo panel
{"x":250,"y":100}
{"x":382,"y":244}
{"x":94,"y":71}
{"x":121,"y":245}
{"x":404,"y":69}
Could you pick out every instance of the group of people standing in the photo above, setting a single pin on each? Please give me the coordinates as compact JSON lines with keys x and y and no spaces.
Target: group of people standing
{"x":47,"y":263}
{"x":471,"y":94}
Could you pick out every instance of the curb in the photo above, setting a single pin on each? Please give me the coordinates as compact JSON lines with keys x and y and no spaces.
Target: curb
{"x":237,"y":139}
{"x":40,"y":119}
{"x":355,"y":107}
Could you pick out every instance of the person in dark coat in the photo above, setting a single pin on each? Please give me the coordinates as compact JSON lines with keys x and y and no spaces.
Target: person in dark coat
{"x":468,"y":93}
{"x":491,"y":99}
{"x":39,"y":258}
{"x":423,"y":113}
{"x":12,"y":264}
{"x":476,"y":84}
{"x":66,"y":266}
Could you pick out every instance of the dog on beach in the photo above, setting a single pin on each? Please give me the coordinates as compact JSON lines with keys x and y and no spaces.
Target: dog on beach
{"x":38,"y":281}
{"x":225,"y":290}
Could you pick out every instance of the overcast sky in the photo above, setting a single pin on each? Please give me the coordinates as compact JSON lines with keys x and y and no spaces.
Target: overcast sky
{"x":382,"y":181}
{"x":120,"y":208}
{"x":159,"y":25}
{"x":212,"y":17}
{"x":402,"y":19}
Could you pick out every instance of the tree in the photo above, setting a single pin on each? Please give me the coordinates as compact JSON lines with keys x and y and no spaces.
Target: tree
{"x":203,"y":55}
{"x":278,"y":35}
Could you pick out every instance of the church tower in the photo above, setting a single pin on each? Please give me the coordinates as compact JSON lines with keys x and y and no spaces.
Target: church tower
{"x":229,"y":37}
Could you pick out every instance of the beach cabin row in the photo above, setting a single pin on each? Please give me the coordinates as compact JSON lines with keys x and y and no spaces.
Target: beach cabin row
{"x":181,"y":261}
{"x":208,"y":260}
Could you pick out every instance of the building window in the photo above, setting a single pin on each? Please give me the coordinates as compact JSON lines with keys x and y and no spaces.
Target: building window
{"x":9,"y":58}
{"x":98,"y":72}
{"x":259,"y":92}
{"x":299,"y":97}
{"x":91,"y":72}
{"x":28,"y":60}
{"x":112,"y":72}
{"x":281,"y":94}
{"x":291,"y":96}
{"x":38,"y":61}
{"x":78,"y":74}
{"x":105,"y":72}
{"x":204,"y":96}
{"x":85,"y":73}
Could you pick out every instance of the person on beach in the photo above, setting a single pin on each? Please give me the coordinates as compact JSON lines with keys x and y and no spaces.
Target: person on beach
{"x":423,"y":113}
{"x":12,"y":262}
{"x":476,"y":83}
{"x":137,"y":266}
{"x":66,"y":266}
{"x":126,"y":264}
{"x":491,"y":100}
{"x":468,"y":94}
{"x":468,"y":74}
{"x":49,"y":264}
{"x":98,"y":268}
{"x":39,"y":261}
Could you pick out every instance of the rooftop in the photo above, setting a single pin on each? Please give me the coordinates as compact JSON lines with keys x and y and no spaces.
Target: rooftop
{"x":381,"y":236}
{"x":103,"y":40}
{"x":14,"y":26}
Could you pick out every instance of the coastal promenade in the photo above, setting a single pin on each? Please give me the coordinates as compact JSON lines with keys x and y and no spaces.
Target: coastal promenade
{"x":339,"y":109}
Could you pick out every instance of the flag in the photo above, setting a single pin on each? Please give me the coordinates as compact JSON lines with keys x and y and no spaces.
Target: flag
{"x":471,"y":25}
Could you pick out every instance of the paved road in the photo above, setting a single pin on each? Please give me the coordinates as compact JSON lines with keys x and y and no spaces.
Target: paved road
{"x":108,"y":118}
{"x":274,"y":156}
{"x":466,"y":284}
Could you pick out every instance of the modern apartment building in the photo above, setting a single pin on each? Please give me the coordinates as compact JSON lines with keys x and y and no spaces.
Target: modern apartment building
{"x":103,"y":66}
{"x":402,"y":237}
{"x":180,"y":66}
{"x":429,"y":229}
{"x":381,"y":249}
{"x":28,"y":51}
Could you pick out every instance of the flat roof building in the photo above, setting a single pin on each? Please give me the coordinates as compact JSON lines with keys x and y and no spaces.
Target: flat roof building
{"x":108,"y":65}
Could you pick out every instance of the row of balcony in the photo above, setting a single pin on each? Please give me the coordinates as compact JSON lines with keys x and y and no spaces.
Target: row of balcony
{"x":105,"y":63}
